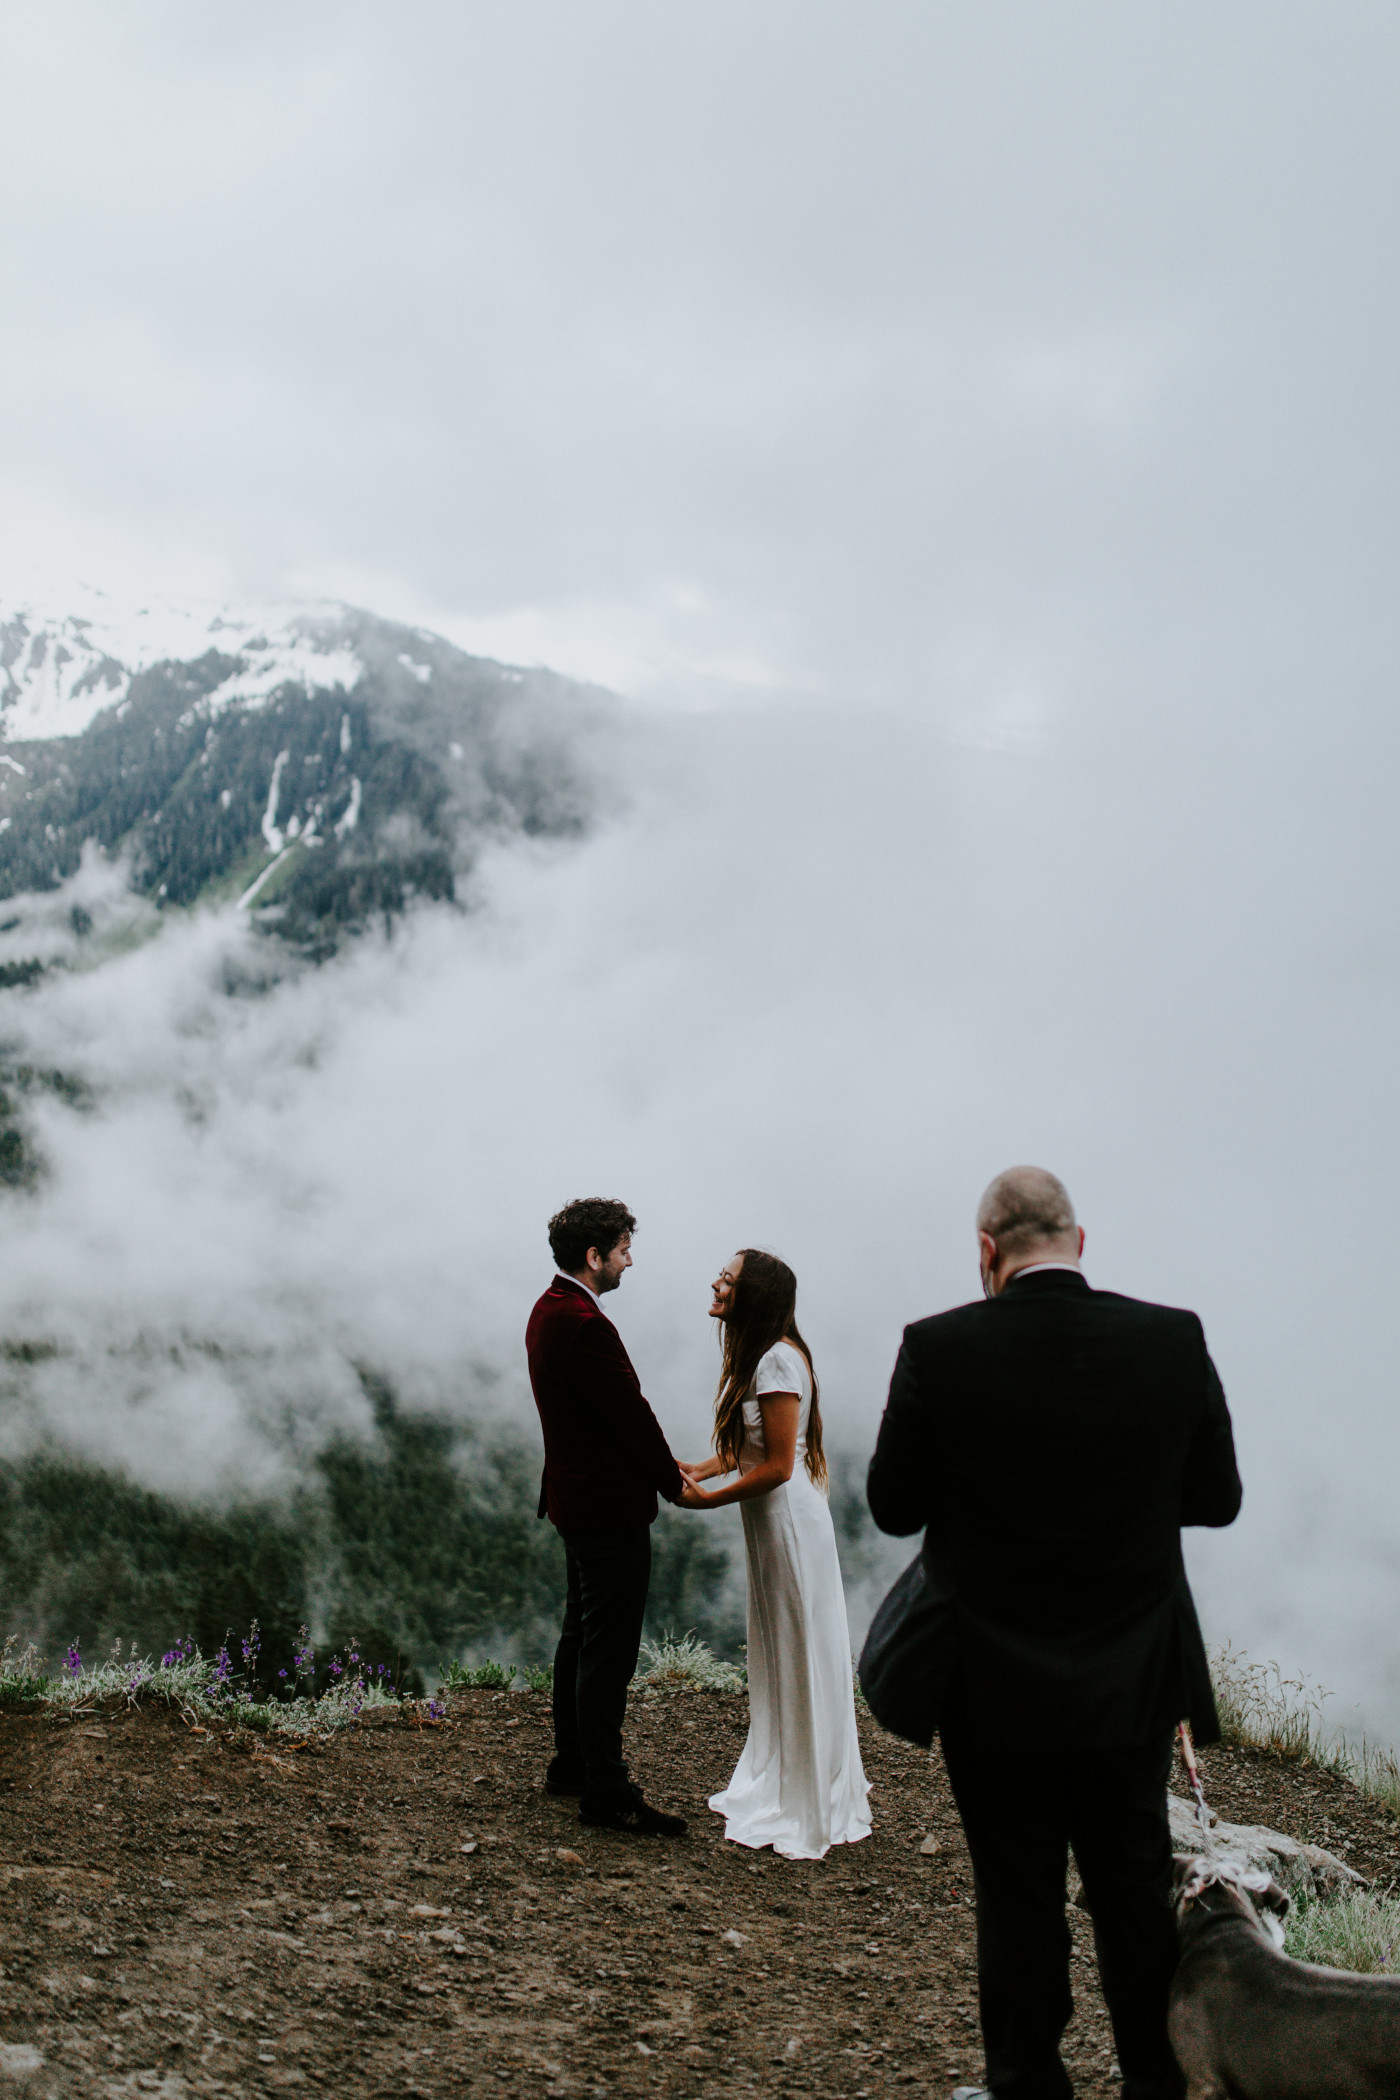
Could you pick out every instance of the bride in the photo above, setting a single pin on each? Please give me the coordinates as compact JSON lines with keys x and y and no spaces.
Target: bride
{"x":799,"y":1785}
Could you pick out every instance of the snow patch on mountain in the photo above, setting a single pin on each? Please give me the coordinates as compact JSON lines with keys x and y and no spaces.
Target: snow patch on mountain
{"x":59,"y":669}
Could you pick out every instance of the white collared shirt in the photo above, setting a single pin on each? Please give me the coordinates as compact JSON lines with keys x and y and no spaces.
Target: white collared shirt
{"x":1033,"y":1268}
{"x":560,"y":1277}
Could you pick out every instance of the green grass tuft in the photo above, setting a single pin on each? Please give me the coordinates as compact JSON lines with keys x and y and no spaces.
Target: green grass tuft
{"x":1264,"y":1710}
{"x":1358,"y":1930}
{"x":489,"y":1676}
{"x":686,"y":1664}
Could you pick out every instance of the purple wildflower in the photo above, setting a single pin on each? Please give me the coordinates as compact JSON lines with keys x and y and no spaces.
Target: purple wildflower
{"x":73,"y":1661}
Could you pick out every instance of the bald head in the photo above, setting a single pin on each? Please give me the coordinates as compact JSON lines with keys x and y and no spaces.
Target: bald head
{"x":1025,"y":1216}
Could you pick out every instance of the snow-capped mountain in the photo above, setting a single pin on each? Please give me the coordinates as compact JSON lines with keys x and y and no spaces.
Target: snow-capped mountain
{"x":58,"y":669}
{"x":313,"y":762}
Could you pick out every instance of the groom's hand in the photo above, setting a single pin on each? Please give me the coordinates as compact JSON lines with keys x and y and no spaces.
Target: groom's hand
{"x":692,"y":1497}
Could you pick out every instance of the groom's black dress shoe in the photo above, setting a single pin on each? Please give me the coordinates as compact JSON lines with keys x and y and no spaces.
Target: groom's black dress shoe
{"x":563,"y":1779}
{"x":630,"y":1813}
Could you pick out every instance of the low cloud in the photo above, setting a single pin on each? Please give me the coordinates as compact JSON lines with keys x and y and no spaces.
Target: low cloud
{"x":809,"y":987}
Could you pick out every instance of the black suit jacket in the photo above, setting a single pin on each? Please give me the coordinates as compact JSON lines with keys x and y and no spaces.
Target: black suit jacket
{"x":605,"y":1458}
{"x":1054,"y":1440}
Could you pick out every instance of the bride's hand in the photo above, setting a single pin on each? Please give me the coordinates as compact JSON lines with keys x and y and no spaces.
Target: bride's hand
{"x":691,"y":1473}
{"x":692,"y":1497}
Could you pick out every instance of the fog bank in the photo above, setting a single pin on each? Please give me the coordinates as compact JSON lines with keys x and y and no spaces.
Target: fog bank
{"x":809,"y":989}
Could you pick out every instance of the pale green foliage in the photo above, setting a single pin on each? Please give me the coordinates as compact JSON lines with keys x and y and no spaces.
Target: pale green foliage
{"x":492,"y":1676}
{"x":199,"y":1687}
{"x":686,"y":1664}
{"x":1357,"y":1930}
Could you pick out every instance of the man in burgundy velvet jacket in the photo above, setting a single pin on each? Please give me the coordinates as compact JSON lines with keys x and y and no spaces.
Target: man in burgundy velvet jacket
{"x":605,"y":1463}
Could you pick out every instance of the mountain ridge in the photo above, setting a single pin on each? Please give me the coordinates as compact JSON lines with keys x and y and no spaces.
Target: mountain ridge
{"x":323,"y":772}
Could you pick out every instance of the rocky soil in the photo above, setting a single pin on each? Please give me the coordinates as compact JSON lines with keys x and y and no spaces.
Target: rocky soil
{"x":403,"y":1911}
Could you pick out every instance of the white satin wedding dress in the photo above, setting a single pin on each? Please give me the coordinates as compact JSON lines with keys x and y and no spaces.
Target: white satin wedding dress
{"x":799,"y":1785}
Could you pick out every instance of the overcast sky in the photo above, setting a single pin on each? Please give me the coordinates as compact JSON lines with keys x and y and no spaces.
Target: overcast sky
{"x":983,"y":356}
{"x":979,"y":423}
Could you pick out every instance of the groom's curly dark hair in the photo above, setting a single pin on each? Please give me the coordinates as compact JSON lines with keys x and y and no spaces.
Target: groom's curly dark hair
{"x":589,"y":1221}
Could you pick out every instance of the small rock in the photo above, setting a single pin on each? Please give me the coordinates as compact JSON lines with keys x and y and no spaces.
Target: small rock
{"x":735,"y":1939}
{"x":642,"y":2050}
{"x":929,"y":1846}
{"x":428,"y":1910}
{"x":793,"y":2045}
{"x":19,"y":2059}
{"x":570,"y":1858}
{"x":100,"y":1733}
{"x":470,"y":1845}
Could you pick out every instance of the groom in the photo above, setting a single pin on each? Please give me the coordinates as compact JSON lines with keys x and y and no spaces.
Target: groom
{"x":1054,"y":1439}
{"x":605,"y":1463}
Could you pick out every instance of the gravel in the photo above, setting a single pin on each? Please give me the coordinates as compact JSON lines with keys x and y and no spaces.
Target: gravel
{"x":402,"y":1910}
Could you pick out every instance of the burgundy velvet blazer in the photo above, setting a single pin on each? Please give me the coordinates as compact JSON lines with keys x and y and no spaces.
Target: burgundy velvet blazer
{"x":605,"y":1459}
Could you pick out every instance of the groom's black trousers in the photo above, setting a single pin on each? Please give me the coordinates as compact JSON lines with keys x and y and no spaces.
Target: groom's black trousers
{"x":597,"y":1654}
{"x":1023,"y":1814}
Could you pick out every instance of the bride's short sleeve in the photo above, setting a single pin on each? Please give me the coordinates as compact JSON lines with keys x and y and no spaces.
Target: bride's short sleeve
{"x":781,"y":1371}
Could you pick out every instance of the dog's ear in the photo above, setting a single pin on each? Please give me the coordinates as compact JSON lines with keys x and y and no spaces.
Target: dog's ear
{"x":1190,"y":1874}
{"x":1271,"y":1905}
{"x":1266,"y":1895}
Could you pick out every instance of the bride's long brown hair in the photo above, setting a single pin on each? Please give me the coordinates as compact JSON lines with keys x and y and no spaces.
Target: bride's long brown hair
{"x":762,"y":1312}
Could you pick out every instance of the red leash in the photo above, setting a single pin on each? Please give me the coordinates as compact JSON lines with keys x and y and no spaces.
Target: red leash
{"x":1188,"y":1758}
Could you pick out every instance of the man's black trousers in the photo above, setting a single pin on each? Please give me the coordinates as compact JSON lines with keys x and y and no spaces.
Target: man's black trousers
{"x":597,"y":1655}
{"x":1023,"y":1812}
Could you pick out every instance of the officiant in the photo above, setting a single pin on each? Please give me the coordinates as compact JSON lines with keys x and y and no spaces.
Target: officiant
{"x":1052,"y":1440}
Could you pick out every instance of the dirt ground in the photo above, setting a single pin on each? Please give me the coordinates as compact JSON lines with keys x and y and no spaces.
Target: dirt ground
{"x":404,"y":1911}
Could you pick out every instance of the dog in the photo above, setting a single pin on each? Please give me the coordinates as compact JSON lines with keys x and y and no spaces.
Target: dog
{"x":1249,"y":2023}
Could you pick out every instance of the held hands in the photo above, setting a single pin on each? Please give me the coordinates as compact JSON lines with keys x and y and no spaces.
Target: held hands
{"x":693,"y":1496}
